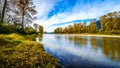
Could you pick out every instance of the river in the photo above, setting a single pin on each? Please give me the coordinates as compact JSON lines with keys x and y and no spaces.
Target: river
{"x":75,"y":51}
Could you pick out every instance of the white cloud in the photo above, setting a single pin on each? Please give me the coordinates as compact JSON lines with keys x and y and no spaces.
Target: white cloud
{"x":78,"y":12}
{"x":44,"y":6}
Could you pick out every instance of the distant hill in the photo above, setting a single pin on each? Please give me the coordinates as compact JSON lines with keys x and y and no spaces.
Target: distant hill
{"x":48,"y":32}
{"x":98,"y":24}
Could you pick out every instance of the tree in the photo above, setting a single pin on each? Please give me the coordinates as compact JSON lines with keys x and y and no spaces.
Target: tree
{"x":84,"y":27}
{"x":65,"y":30}
{"x":116,"y":21}
{"x":26,"y":10}
{"x":92,"y":27}
{"x":70,"y":29}
{"x":58,"y":30}
{"x":36,"y":26}
{"x":41,"y":29}
{"x":103,"y":22}
{"x":3,"y":10}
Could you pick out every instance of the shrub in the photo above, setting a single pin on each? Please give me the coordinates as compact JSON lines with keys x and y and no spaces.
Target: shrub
{"x":5,"y":29}
{"x":8,"y":29}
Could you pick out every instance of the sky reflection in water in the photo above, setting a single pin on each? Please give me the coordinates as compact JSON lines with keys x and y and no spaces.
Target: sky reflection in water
{"x":83,"y":51}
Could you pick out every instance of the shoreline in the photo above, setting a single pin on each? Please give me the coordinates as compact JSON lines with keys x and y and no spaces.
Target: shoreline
{"x":94,"y":35}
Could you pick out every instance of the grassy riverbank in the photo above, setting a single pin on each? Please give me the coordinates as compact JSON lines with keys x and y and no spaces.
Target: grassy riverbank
{"x":18,"y":51}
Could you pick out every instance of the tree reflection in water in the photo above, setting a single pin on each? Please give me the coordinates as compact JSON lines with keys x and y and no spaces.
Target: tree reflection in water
{"x":110,"y":47}
{"x":39,"y":37}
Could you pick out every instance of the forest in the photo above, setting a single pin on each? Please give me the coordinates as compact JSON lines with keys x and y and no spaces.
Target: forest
{"x":108,"y":24}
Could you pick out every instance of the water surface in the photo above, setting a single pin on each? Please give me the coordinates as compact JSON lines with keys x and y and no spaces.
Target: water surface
{"x":83,"y":51}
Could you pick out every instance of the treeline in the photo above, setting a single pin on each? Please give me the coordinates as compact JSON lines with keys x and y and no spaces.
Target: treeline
{"x":109,"y":24}
{"x":16,"y":16}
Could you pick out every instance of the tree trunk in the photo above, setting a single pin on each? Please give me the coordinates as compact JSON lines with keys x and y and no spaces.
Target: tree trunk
{"x":3,"y":11}
{"x":23,"y":13}
{"x":22,"y":21}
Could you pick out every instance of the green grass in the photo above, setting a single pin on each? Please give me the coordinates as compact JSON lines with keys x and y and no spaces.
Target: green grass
{"x":21,"y":51}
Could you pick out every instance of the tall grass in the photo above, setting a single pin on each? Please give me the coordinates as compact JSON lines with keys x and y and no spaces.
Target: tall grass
{"x":18,"y":51}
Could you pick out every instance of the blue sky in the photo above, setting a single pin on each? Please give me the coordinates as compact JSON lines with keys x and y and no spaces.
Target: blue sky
{"x":61,"y":13}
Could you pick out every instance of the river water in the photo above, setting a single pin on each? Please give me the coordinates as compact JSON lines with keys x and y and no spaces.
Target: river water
{"x":74,"y":51}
